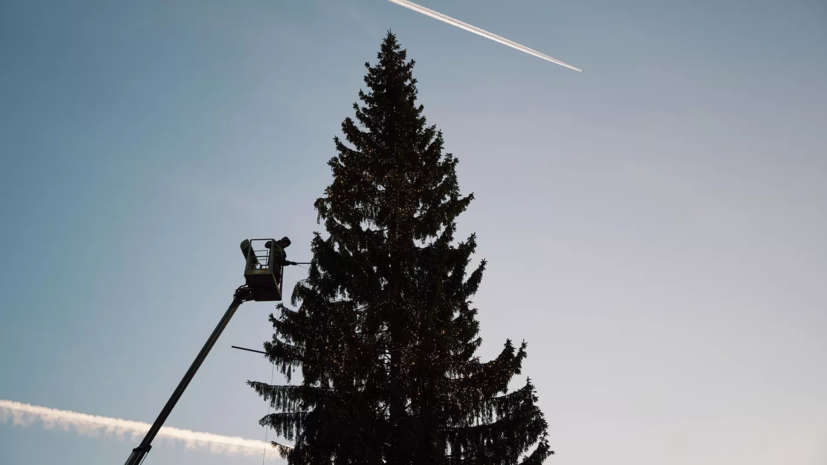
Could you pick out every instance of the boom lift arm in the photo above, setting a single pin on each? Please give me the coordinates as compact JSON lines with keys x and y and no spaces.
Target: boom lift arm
{"x":263,"y":273}
{"x":139,"y":453}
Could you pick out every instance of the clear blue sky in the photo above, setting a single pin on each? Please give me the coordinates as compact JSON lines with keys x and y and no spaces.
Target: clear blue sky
{"x":655,"y":226}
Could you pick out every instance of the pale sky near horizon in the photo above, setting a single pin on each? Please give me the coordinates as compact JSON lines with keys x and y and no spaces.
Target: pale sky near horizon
{"x":654,"y":226}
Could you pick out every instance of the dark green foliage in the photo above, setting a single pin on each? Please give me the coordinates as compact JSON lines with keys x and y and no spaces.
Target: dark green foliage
{"x":384,"y":334}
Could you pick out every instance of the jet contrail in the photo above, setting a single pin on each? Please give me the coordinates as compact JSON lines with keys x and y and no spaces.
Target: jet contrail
{"x":25,"y":415}
{"x":478,"y":31}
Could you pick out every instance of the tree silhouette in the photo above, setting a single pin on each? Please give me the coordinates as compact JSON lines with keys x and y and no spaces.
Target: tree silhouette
{"x":384,"y":333}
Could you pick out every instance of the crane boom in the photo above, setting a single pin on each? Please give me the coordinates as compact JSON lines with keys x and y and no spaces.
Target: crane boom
{"x":139,"y":453}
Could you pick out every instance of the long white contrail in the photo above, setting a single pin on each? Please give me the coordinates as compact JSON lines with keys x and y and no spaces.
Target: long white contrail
{"x":25,"y":415}
{"x":455,"y":22}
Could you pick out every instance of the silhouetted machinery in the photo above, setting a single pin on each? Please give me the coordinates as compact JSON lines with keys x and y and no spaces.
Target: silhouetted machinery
{"x":263,"y":273}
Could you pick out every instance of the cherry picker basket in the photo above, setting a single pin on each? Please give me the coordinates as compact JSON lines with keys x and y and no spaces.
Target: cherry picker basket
{"x":264,"y":268}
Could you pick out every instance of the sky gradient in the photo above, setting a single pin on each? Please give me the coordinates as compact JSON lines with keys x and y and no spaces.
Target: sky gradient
{"x":654,"y":226}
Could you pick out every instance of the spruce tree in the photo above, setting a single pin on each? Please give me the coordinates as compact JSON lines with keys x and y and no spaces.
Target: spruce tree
{"x":384,"y":334}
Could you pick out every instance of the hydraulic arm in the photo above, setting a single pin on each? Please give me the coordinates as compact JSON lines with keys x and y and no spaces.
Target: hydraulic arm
{"x":139,"y":453}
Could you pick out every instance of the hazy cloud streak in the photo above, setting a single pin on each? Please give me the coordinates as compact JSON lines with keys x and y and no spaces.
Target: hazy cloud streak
{"x":478,"y":31}
{"x":25,"y":415}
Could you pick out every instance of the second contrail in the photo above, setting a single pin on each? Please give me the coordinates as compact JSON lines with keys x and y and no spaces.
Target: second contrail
{"x":455,"y":22}
{"x":25,"y":414}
